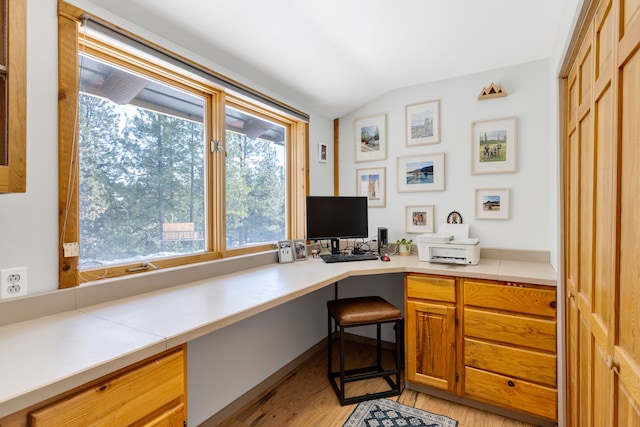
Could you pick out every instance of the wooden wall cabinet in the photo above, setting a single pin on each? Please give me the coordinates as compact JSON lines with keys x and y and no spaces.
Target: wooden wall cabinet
{"x":492,"y":342}
{"x":151,"y":393}
{"x":430,"y":328}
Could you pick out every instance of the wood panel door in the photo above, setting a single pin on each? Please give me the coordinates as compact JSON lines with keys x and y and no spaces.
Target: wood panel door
{"x":626,"y":356}
{"x":602,"y":209}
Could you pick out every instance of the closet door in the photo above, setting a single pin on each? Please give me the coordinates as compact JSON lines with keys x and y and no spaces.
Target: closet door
{"x":626,"y":358}
{"x":602,"y":212}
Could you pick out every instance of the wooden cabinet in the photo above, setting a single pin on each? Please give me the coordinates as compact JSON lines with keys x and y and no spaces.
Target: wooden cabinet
{"x":430,"y":331}
{"x":601,"y":190}
{"x":492,"y":342}
{"x":510,"y":346}
{"x":150,"y":393}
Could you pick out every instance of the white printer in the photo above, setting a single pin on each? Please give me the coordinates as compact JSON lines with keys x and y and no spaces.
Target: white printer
{"x":451,"y":245}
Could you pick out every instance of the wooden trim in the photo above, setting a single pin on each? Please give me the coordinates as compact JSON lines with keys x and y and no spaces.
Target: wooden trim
{"x":336,"y":157}
{"x":68,"y":175}
{"x":13,"y":177}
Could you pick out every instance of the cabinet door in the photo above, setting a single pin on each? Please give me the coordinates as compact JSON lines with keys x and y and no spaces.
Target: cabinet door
{"x":430,"y":344}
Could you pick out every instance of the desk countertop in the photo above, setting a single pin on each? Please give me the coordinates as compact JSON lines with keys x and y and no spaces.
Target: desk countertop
{"x":49,"y":355}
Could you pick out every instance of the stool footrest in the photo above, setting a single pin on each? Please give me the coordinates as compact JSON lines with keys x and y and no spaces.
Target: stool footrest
{"x":364,"y":374}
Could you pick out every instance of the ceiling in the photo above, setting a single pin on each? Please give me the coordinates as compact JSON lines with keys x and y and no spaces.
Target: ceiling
{"x":332,"y":56}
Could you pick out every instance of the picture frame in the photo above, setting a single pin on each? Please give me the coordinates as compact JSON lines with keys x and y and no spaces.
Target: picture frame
{"x":285,"y":251}
{"x":322,"y":153}
{"x":420,"y":173}
{"x":493,"y":146}
{"x":492,"y":203}
{"x":300,"y":250}
{"x":419,"y":219}
{"x":423,"y":123}
{"x":372,"y":184}
{"x":371,"y":138}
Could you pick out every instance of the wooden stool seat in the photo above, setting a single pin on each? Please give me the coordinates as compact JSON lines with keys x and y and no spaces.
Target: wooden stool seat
{"x":361,"y":311}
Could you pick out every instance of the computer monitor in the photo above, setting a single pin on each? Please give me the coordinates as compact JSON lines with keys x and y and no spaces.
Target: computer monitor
{"x":337,"y":217}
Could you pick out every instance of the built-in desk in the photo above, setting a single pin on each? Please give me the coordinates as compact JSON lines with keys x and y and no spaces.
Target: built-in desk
{"x":48,"y":355}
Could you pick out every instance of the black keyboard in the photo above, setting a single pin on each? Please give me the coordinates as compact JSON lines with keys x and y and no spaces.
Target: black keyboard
{"x":348,"y":258}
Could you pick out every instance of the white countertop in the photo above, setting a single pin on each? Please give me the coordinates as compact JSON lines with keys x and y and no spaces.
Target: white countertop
{"x":52,"y":354}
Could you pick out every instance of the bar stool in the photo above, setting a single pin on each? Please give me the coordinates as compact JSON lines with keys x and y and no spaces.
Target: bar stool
{"x":361,"y":311}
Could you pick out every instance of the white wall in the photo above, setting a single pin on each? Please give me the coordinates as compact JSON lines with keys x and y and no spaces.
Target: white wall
{"x":528,"y":99}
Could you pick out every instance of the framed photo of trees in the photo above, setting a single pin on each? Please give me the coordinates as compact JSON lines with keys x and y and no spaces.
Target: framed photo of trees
{"x":493,"y":146}
{"x":371,"y":138}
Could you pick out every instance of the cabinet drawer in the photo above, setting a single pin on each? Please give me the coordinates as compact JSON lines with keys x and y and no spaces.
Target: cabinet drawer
{"x":511,"y":329}
{"x":511,"y":393}
{"x":515,"y":362}
{"x":124,"y":399}
{"x":541,"y":302}
{"x":429,"y":287}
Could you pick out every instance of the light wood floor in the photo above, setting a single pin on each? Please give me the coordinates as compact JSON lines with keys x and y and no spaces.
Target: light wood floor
{"x":305,"y":398}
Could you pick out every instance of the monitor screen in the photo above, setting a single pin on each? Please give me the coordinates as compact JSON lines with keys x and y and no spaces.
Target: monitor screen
{"x":337,"y":217}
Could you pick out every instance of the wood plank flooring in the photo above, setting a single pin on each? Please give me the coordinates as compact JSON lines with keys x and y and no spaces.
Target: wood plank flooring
{"x":305,"y":398}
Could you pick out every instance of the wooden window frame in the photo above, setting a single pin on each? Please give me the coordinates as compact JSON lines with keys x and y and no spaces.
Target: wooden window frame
{"x":71,"y":43}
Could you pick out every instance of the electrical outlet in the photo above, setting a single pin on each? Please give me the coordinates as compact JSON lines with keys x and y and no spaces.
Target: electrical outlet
{"x":13,"y":282}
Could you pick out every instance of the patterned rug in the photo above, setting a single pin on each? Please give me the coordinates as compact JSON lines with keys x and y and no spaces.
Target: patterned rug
{"x":387,"y":413}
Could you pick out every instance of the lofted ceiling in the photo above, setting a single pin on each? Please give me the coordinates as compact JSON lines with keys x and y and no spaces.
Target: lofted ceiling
{"x":332,"y":56}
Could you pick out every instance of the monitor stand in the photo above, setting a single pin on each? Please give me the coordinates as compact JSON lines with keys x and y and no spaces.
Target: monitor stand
{"x":335,"y":246}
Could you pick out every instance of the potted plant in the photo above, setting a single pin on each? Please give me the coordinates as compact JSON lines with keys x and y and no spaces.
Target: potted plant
{"x":404,"y":246}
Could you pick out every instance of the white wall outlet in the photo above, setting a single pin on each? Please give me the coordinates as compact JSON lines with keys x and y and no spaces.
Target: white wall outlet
{"x":13,"y":282}
{"x":71,"y":249}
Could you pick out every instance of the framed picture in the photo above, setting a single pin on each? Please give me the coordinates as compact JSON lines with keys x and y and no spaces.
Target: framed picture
{"x":371,"y":138}
{"x":419,"y":219}
{"x":300,"y":250}
{"x":322,"y":153}
{"x":421,"y":173}
{"x":423,"y":123}
{"x":372,"y":183}
{"x":493,"y":146}
{"x":285,"y":251}
{"x":492,"y":203}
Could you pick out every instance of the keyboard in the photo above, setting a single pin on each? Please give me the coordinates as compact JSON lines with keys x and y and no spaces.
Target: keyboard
{"x":348,"y":258}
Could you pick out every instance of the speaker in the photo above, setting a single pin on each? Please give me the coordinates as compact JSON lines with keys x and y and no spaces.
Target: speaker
{"x":383,"y":240}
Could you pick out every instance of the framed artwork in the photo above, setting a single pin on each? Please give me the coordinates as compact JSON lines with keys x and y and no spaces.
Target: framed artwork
{"x":322,"y":153}
{"x":371,"y":138}
{"x":423,"y":123}
{"x":285,"y":251}
{"x":372,"y":183}
{"x":419,"y":219}
{"x":493,"y":146}
{"x":300,"y":250}
{"x":421,"y":173}
{"x":492,"y":203}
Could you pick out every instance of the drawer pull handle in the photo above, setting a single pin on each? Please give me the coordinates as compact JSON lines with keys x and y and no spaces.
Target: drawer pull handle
{"x":511,"y":383}
{"x":553,"y":304}
{"x":103,"y":387}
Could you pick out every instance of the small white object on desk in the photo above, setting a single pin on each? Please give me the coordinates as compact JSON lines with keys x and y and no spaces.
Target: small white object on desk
{"x":452,"y":245}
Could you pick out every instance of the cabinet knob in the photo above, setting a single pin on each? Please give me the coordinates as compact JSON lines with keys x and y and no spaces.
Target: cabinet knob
{"x":511,"y":383}
{"x":553,"y":304}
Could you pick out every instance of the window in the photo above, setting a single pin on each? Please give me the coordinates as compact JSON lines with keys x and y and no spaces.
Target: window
{"x":161,"y":166}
